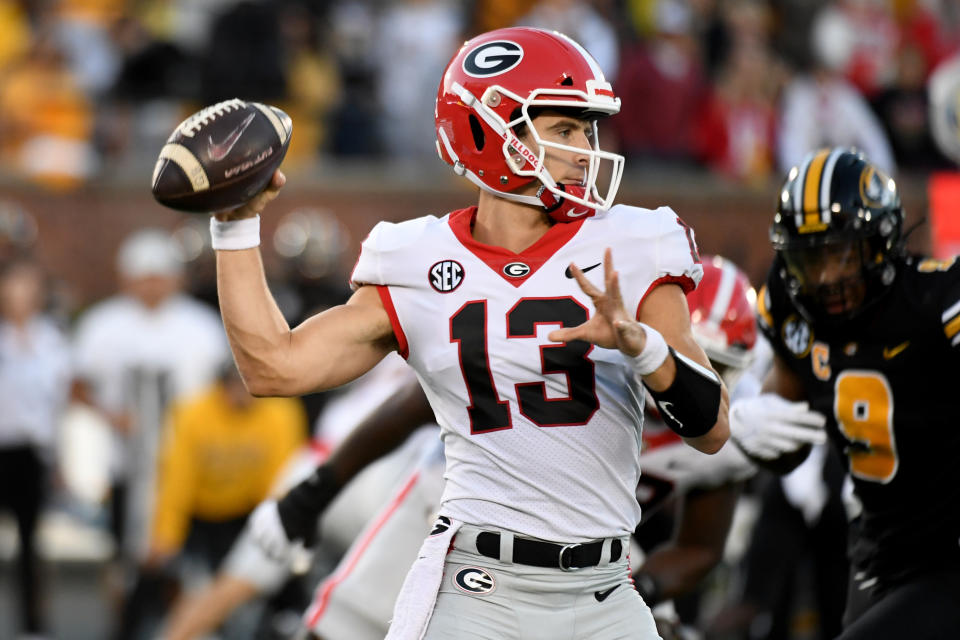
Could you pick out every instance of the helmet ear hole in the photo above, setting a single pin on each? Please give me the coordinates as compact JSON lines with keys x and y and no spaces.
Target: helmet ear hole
{"x":477,"y":131}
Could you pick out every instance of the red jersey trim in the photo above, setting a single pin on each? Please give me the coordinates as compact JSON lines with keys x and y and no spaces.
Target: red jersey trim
{"x":320,"y":449}
{"x":325,"y":591}
{"x":686,"y":283}
{"x":404,"y":348}
{"x":534,"y":256}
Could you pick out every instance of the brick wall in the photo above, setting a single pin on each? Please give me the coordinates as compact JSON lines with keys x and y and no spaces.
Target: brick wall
{"x":80,"y":231}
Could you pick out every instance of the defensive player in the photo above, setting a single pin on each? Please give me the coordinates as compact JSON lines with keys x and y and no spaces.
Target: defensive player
{"x":540,"y":427}
{"x":869,"y":336}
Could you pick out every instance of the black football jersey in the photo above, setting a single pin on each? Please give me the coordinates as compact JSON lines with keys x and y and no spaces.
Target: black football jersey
{"x":889,"y":384}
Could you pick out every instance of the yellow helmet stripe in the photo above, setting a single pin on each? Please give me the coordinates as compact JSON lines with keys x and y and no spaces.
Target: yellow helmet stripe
{"x":762,"y":309}
{"x":811,"y":187}
{"x":827,"y":181}
{"x":952,"y":328}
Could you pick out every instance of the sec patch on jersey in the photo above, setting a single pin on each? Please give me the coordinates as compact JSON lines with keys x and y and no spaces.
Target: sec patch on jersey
{"x":221,"y":156}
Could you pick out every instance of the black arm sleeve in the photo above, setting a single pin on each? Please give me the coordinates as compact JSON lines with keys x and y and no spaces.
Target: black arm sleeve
{"x":691,"y":404}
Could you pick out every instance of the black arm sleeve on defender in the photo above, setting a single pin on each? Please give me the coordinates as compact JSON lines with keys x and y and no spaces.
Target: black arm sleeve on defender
{"x":691,"y":404}
{"x":303,"y":505}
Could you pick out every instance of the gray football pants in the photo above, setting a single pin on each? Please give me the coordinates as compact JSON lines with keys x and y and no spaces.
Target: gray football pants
{"x":485,"y":598}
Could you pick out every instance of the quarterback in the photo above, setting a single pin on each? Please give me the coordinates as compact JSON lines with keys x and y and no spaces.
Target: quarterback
{"x":533,"y":321}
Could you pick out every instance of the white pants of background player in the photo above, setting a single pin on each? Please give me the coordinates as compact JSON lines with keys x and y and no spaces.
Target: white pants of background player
{"x":356,"y":601}
{"x":343,"y":521}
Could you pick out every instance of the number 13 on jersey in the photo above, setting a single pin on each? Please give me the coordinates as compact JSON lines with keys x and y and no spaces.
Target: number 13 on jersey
{"x":487,"y":411}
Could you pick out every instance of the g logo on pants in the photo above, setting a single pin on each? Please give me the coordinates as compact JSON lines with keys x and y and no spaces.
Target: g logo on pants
{"x":474,"y":580}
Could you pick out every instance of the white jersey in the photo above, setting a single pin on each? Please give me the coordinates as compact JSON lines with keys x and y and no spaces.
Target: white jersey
{"x":119,"y":339}
{"x":34,"y":382}
{"x":137,"y":361}
{"x":541,"y":438}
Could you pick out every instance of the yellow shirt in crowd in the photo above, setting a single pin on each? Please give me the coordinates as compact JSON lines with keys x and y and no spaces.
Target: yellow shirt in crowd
{"x":219,"y":461}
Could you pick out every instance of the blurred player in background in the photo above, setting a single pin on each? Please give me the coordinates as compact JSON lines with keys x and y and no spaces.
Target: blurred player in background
{"x":221,"y":449}
{"x":135,"y":353}
{"x":869,"y":336}
{"x":688,"y":499}
{"x":541,"y":433}
{"x":34,"y":387}
{"x":359,"y":425}
{"x":943,"y":91}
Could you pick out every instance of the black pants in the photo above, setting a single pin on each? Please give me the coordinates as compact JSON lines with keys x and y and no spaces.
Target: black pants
{"x":154,"y":590}
{"x":927,"y":607}
{"x":22,"y":491}
{"x":782,"y":540}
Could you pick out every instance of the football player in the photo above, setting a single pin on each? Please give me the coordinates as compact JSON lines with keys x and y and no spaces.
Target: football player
{"x":868,"y":336}
{"x":532,"y":347}
{"x":355,"y":601}
{"x":351,"y":602}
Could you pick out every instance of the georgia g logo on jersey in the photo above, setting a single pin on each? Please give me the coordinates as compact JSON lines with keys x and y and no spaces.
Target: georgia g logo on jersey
{"x":516,"y":269}
{"x":492,"y":59}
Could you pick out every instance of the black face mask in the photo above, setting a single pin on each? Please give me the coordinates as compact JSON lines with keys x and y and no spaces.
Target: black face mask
{"x":835,"y":282}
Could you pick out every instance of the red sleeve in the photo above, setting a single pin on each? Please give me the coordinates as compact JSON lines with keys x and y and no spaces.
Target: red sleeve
{"x":686,"y":283}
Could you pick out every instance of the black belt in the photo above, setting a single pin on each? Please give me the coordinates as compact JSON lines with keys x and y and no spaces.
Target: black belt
{"x":548,"y":554}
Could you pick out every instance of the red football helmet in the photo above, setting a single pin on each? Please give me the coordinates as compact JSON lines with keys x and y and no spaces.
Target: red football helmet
{"x":489,"y":88}
{"x":722,"y":313}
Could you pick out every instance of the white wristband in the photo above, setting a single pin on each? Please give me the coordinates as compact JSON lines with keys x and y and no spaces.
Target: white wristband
{"x":234,"y":235}
{"x":653,"y":354}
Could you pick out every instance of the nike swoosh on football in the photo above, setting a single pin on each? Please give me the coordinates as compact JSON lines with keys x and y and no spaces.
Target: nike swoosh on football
{"x":889,"y":353}
{"x":219,"y":150}
{"x":569,"y":273}
{"x":578,"y":213}
{"x":602,"y":595}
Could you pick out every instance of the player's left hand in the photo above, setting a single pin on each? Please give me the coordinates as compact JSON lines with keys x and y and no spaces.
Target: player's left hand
{"x":611,"y":327}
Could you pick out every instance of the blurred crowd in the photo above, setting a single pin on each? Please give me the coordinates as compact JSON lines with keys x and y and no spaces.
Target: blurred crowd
{"x":741,"y":87}
{"x":128,"y":439}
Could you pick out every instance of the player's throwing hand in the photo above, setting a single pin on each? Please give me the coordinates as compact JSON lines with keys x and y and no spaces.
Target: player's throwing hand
{"x":259,"y":201}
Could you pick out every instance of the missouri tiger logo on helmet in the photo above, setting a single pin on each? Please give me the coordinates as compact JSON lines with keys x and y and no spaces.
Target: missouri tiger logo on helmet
{"x":493,"y":88}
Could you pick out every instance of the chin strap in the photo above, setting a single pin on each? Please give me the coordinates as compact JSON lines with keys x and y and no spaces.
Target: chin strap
{"x":563,"y":209}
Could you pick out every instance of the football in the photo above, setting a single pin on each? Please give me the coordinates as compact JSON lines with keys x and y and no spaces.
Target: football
{"x":221,"y":156}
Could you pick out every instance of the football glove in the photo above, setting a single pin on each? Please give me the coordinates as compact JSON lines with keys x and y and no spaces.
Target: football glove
{"x":277,"y":525}
{"x":767,"y":426}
